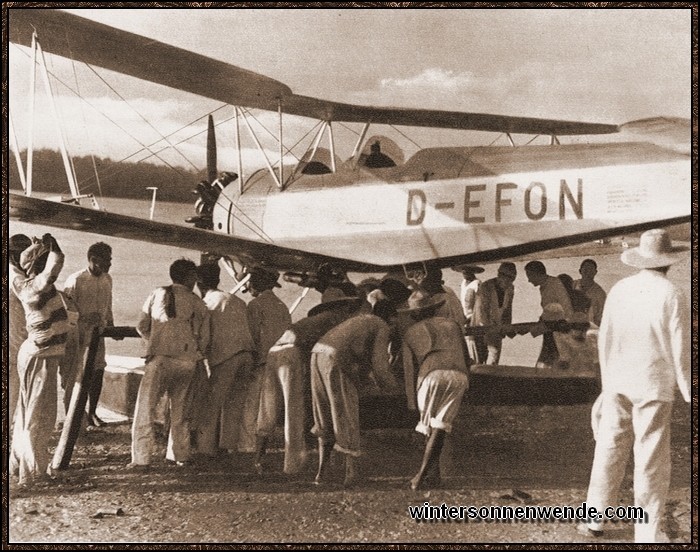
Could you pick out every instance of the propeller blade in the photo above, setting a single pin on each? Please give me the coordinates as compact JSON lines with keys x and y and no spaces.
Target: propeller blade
{"x":211,"y":151}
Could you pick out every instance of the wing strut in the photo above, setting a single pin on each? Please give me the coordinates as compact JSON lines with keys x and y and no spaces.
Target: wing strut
{"x":18,"y":158}
{"x":331,"y":143}
{"x":281,"y":180}
{"x":358,"y":144}
{"x":75,"y":192}
{"x":267,"y":161}
{"x":238,"y":149}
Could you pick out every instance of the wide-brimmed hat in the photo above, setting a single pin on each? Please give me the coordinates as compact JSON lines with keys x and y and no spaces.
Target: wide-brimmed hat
{"x":420,"y":302}
{"x":654,"y":251}
{"x":472,"y":269}
{"x":334,"y":298}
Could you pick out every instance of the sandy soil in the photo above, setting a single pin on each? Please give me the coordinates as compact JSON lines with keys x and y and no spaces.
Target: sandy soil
{"x":543,"y":451}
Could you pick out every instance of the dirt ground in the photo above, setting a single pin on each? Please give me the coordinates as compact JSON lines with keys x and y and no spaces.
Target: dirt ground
{"x":494,"y":451}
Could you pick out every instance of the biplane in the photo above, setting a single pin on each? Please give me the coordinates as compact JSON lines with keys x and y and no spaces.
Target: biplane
{"x":321,"y":214}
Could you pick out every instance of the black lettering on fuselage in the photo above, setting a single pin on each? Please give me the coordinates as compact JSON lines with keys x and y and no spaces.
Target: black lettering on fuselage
{"x":576,"y":204}
{"x":534,"y":202}
{"x":532,"y":215}
{"x":500,"y":202}
{"x":415,"y":214}
{"x":469,"y":203}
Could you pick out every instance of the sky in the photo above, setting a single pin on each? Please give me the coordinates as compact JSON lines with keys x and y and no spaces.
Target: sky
{"x":594,"y":65}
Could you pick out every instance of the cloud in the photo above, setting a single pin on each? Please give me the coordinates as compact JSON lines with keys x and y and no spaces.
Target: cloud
{"x":587,"y":91}
{"x":435,"y":79}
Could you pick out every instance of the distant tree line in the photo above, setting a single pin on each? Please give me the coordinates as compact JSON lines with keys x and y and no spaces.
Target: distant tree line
{"x":117,"y":178}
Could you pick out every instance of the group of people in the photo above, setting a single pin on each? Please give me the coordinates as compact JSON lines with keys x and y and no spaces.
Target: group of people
{"x":257,"y":363}
{"x":251,"y":361}
{"x":489,"y":305}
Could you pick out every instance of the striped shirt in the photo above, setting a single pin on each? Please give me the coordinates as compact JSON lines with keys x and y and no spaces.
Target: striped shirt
{"x":45,"y":314}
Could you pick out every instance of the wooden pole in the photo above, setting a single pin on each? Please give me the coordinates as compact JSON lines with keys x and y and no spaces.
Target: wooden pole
{"x":74,"y":417}
{"x":78,"y":399}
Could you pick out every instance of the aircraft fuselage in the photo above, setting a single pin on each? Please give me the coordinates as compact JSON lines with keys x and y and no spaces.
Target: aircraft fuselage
{"x":451,"y":201}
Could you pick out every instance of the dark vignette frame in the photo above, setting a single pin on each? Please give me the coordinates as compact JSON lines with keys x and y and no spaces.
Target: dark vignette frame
{"x":6,"y":6}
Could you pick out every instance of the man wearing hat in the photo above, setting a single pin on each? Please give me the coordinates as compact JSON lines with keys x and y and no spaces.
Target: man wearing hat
{"x":17,"y":327}
{"x":644,"y":349}
{"x":468,"y":288}
{"x":493,"y":307}
{"x":286,"y":377}
{"x":38,"y":358}
{"x":435,"y":376}
{"x":451,"y":308}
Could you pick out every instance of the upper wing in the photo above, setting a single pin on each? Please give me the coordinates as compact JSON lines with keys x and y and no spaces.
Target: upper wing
{"x":77,"y":38}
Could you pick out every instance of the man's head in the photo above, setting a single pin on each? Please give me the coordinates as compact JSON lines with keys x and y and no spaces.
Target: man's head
{"x":18,"y":243}
{"x":262,"y":279}
{"x":588,"y":269}
{"x":184,"y":272}
{"x":344,"y":296}
{"x":33,"y":259}
{"x":536,"y":273}
{"x":422,"y":305}
{"x":507,"y":273}
{"x":208,"y":276}
{"x":432,"y":283}
{"x":99,"y":258}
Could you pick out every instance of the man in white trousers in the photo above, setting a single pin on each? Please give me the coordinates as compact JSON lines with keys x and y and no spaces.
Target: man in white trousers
{"x":644,"y":349}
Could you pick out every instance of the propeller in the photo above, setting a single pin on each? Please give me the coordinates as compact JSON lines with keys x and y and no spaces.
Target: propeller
{"x":208,"y":191}
{"x":211,"y":151}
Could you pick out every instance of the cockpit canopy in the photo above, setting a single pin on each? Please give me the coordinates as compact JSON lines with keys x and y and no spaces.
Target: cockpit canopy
{"x":380,"y":152}
{"x":320,"y":163}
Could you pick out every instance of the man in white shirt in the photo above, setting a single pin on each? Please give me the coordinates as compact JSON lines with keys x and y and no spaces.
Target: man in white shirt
{"x":494,"y":307}
{"x":644,"y":349}
{"x":553,"y":298}
{"x":230,"y":354}
{"x":90,"y":290}
{"x":175,"y":324}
